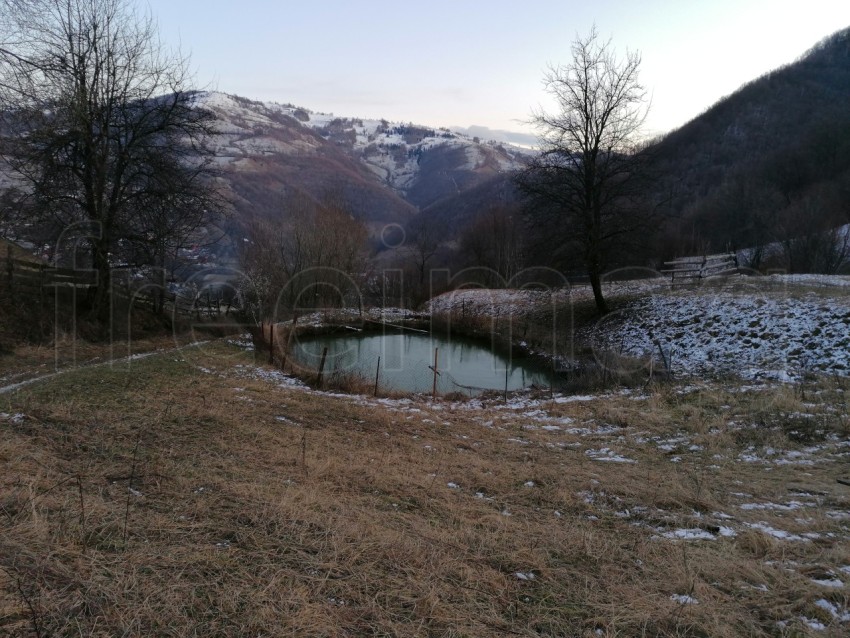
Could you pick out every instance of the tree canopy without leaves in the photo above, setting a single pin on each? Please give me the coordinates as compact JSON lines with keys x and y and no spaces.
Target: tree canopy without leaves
{"x":585,"y":188}
{"x":311,"y":255}
{"x":101,"y":128}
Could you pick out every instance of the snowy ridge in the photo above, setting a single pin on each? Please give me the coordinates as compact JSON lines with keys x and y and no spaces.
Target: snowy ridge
{"x":393,"y":152}
{"x":245,"y":128}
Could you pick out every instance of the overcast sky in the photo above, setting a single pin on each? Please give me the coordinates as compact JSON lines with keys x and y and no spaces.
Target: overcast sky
{"x":480,"y":62}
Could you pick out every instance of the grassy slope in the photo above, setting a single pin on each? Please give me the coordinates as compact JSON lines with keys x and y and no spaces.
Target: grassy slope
{"x":264,"y":510}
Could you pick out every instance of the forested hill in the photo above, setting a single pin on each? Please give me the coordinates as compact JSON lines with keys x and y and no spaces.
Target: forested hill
{"x":767,"y":163}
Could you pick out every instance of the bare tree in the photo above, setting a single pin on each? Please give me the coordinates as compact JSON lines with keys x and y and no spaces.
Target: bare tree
{"x":585,"y":187}
{"x":420,"y":248}
{"x":313,"y":254}
{"x":101,"y":127}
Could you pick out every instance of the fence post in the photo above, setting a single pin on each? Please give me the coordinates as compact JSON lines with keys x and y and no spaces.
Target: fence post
{"x":289,"y":341}
{"x":434,"y":389}
{"x":377,"y":372}
{"x":322,"y":367}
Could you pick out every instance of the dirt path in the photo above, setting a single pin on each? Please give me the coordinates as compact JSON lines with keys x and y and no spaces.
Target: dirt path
{"x":12,"y":387}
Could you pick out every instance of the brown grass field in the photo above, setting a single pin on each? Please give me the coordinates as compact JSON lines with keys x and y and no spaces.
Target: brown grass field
{"x":193,"y":494}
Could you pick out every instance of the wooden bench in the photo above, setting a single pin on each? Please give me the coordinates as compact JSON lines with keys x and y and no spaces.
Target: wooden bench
{"x":692,"y":270}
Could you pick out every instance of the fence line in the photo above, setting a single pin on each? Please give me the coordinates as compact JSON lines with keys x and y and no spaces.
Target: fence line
{"x":31,"y":278}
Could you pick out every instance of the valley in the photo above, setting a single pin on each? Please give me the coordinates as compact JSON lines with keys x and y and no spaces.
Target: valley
{"x":272,"y":371}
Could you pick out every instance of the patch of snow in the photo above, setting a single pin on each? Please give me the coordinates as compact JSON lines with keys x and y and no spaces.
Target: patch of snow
{"x":813,"y":624}
{"x":832,"y":583}
{"x":775,"y":533}
{"x":606,"y":454}
{"x":839,"y":614}
{"x":694,"y":534}
{"x":788,"y":507}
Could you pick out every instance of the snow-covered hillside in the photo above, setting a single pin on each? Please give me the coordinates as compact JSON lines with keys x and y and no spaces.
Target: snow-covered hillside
{"x":394,"y":151}
{"x":397,"y":155}
{"x":245,"y":128}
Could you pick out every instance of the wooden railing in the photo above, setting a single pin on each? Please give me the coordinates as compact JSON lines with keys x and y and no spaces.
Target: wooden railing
{"x":30,"y":279}
{"x":24,"y":275}
{"x":691,"y":270}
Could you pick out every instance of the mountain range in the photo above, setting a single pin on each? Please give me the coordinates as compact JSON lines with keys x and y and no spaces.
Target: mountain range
{"x":764,"y":165}
{"x":385,"y":172}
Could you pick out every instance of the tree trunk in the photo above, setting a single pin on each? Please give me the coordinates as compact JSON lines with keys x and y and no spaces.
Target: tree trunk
{"x":596,"y":285}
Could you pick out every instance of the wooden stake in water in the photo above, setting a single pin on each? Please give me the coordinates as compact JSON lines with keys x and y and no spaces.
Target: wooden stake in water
{"x":322,"y":367}
{"x":434,"y":389}
{"x":377,"y":372}
{"x":506,"y":382}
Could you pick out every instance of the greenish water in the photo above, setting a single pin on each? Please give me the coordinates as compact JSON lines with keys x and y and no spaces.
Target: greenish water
{"x":465,"y":365}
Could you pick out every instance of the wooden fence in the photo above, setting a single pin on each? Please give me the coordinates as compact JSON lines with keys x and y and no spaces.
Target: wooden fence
{"x":691,"y":270}
{"x":29,"y":279}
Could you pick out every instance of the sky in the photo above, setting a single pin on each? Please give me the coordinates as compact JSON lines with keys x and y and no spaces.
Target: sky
{"x":459,"y":63}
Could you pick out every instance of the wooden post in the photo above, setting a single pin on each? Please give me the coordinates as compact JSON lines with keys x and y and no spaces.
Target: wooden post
{"x":322,"y":367}
{"x":289,"y":341}
{"x":434,"y":389}
{"x":377,"y":372}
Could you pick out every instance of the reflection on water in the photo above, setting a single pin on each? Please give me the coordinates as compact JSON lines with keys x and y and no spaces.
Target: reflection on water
{"x":406,"y":359}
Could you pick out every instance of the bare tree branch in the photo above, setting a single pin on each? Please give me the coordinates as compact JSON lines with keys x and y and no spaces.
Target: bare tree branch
{"x":585,"y":187}
{"x":100,"y":125}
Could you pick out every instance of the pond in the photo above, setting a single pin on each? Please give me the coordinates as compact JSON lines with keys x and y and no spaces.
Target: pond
{"x":464,"y":365}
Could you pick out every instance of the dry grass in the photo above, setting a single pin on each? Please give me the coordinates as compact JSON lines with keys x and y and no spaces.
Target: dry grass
{"x":188,"y":496}
{"x":65,"y":352}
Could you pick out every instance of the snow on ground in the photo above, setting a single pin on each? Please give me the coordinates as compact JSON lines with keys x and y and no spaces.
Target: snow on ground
{"x":340,"y":315}
{"x":755,"y":335}
{"x":756,"y":328}
{"x":818,"y":281}
{"x":505,"y":302}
